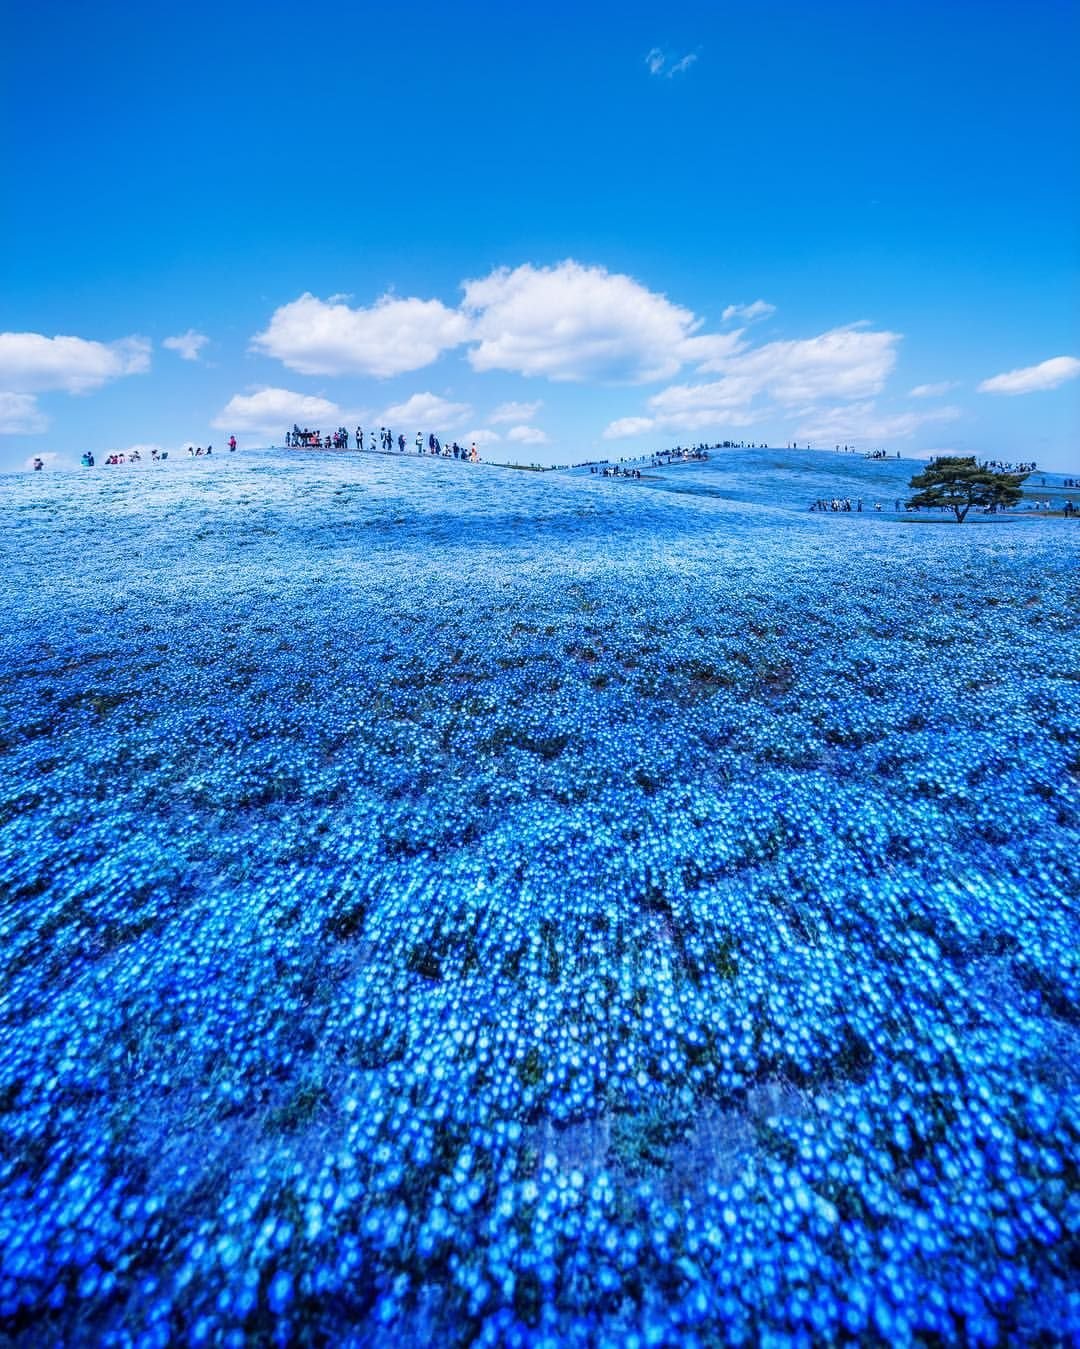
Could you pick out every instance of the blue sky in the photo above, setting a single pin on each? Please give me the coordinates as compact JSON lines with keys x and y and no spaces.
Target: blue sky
{"x":569,"y":232}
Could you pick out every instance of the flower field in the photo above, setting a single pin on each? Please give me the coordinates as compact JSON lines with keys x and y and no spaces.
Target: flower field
{"x":440,"y":904}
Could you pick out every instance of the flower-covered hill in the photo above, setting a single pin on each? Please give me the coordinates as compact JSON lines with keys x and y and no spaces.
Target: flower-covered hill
{"x":441,"y":903}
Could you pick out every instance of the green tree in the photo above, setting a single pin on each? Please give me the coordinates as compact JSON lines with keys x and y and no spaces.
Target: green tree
{"x":962,"y":483}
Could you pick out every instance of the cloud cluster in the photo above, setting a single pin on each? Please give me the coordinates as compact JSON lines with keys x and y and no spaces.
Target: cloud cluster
{"x":844,"y":363}
{"x":186,"y":345}
{"x":33,"y":363}
{"x":1034,"y":378}
{"x":567,"y":322}
{"x":571,"y":322}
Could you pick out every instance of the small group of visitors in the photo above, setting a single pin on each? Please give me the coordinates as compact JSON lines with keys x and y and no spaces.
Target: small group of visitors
{"x":839,"y":504}
{"x":694,"y":454}
{"x":197,"y":450}
{"x":614,"y":471}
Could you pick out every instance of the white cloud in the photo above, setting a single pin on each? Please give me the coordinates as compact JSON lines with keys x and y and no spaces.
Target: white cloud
{"x":656,"y":60}
{"x":186,"y":345}
{"x":30,"y":362}
{"x":699,"y":407}
{"x":570,"y":322}
{"x":863,"y":421}
{"x":527,"y":435}
{"x":20,"y":415}
{"x":1034,"y":378}
{"x":933,"y":390}
{"x":628,"y":426}
{"x":482,"y":436}
{"x":321,"y":337}
{"x":759,"y":309}
{"x":683,"y":64}
{"x":514,"y":412}
{"x":427,"y":409}
{"x":275,"y":410}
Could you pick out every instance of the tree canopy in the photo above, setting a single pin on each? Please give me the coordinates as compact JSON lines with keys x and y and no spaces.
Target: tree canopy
{"x":961,"y":483}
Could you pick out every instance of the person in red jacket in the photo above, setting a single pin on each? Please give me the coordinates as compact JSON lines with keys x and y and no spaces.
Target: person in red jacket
{"x":232,"y":444}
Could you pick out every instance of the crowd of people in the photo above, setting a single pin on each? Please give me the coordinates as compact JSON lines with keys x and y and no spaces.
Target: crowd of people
{"x":386,"y":442}
{"x":681,"y":455}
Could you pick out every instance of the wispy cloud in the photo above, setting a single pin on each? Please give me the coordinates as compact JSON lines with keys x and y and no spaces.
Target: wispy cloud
{"x":759,"y":382}
{"x":19,"y":415}
{"x":934,"y":390}
{"x":760,"y":309}
{"x":514,"y":412}
{"x":684,"y":63}
{"x":527,"y":435}
{"x":865,"y":421}
{"x":1034,"y":378}
{"x":659,"y":63}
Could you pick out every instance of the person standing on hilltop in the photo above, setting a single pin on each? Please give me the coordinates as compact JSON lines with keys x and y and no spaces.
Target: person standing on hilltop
{"x":232,"y":444}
